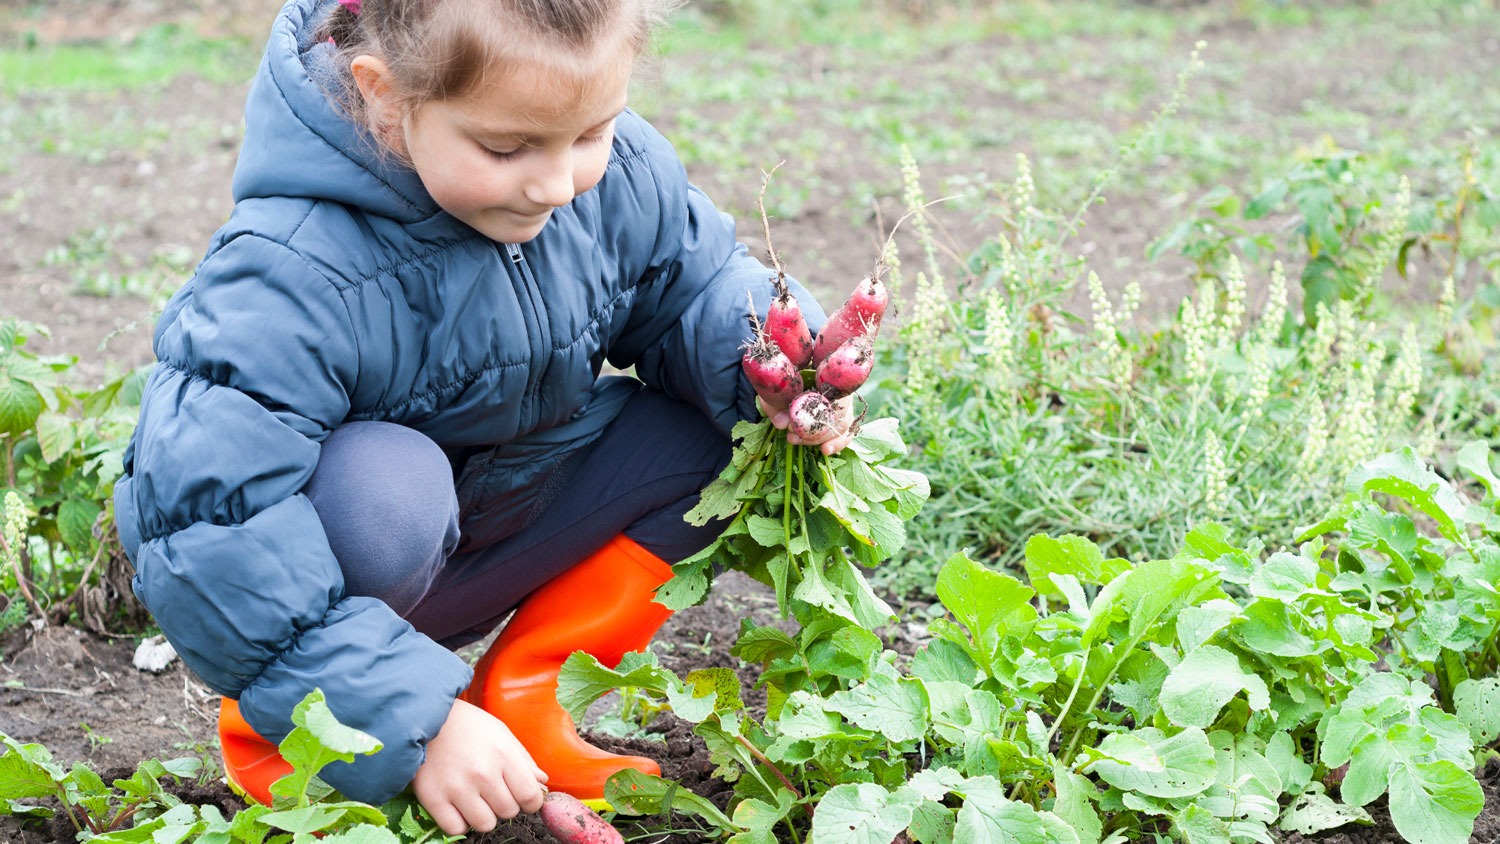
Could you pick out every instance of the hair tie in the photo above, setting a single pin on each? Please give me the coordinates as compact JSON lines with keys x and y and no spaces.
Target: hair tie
{"x":351,"y":5}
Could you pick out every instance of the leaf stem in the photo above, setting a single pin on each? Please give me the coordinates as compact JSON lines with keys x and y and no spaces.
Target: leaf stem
{"x":786,"y":502}
{"x":761,"y":757}
{"x":62,"y":797}
{"x":1067,"y":705}
{"x":1099,"y":692}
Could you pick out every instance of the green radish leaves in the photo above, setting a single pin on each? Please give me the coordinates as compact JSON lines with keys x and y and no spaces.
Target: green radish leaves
{"x":804,"y":523}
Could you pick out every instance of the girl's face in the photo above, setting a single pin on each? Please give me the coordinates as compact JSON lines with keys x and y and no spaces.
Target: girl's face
{"x":523,"y":143}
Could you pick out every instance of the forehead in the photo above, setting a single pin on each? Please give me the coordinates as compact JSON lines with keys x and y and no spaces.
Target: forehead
{"x":541,"y":96}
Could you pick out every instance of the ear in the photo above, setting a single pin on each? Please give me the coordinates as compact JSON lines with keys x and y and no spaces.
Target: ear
{"x":374,"y":80}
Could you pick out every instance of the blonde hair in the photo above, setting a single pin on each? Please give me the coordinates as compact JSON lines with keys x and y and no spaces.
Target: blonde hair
{"x":444,"y":49}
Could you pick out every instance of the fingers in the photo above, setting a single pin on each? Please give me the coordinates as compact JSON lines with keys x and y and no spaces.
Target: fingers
{"x":479,"y":813}
{"x":499,"y":799}
{"x":837,"y":444}
{"x":476,"y":773}
{"x":779,"y":417}
{"x":447,"y":817}
{"x":523,"y":788}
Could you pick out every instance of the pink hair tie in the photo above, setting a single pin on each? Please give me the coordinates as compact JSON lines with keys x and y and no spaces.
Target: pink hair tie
{"x":351,"y":5}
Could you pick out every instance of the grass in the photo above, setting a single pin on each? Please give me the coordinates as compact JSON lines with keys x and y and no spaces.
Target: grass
{"x":156,"y":56}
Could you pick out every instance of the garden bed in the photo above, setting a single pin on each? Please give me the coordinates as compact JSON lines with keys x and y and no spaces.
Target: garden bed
{"x":72,"y":678}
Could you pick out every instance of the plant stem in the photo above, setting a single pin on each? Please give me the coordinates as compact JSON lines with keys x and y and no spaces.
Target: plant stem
{"x":84,"y":579}
{"x":761,"y":757}
{"x":62,"y":797}
{"x":21,"y":579}
{"x":125,"y":815}
{"x":1099,"y":692}
{"x":786,"y":502}
{"x":1068,"y":705}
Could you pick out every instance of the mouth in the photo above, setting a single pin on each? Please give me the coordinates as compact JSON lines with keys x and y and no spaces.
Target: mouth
{"x":534,"y":216}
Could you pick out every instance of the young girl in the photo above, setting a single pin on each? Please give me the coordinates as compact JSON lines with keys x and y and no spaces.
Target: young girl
{"x":377,"y":424}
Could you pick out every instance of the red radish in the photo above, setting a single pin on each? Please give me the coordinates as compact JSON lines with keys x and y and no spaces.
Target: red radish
{"x":788,"y":329}
{"x":859,"y":316}
{"x":774,"y":377}
{"x":842,"y":372}
{"x":571,"y":822}
{"x":812,"y":416}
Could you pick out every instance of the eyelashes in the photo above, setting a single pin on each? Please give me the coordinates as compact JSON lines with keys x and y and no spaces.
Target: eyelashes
{"x":511,"y":155}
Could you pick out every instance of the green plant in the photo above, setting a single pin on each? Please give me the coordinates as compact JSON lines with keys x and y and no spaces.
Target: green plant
{"x":1350,"y":234}
{"x":1214,"y":694}
{"x":1030,"y":418}
{"x":143,"y":809}
{"x":60,"y":453}
{"x":95,"y":738}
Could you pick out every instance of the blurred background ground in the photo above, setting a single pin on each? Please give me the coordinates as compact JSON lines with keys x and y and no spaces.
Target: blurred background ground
{"x":120,"y":123}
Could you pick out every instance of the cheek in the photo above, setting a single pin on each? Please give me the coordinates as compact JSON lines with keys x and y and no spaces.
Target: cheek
{"x":464,"y":190}
{"x":589,"y":168}
{"x":461,"y":180}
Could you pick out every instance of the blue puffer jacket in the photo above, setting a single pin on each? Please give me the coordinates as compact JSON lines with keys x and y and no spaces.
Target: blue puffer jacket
{"x":339,"y":291}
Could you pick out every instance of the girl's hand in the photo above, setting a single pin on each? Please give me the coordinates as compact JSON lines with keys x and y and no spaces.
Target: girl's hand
{"x":838,"y":435}
{"x":476,"y":773}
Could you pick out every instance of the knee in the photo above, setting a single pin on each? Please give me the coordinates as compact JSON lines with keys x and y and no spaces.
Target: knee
{"x":385,"y":496}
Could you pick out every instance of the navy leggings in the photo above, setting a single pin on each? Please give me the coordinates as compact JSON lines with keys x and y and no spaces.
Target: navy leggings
{"x":387,"y":500}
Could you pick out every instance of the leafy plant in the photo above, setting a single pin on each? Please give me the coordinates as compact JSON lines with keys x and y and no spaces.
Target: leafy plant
{"x":60,"y":454}
{"x":1350,"y":234}
{"x":1215,"y":694}
{"x":1029,"y":418}
{"x":143,"y":809}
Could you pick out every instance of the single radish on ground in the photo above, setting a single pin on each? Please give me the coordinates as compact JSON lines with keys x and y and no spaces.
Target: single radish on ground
{"x":571,"y":822}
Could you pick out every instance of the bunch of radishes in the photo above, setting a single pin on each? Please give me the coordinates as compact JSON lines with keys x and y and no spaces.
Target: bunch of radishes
{"x":841,"y":358}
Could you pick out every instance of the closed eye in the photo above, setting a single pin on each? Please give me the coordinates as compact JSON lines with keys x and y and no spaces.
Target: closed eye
{"x":500,"y":155}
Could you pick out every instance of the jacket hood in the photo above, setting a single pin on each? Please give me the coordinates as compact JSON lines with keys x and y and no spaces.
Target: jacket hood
{"x":297,"y":142}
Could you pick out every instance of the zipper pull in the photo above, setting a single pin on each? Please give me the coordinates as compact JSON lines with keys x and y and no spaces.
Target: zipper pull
{"x":515,"y":253}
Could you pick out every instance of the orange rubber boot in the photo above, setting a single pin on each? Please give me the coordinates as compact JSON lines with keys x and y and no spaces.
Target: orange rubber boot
{"x":251,"y":763}
{"x":603,"y":606}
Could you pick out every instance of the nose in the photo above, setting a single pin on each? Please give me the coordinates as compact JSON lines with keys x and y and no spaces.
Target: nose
{"x":550,"y":183}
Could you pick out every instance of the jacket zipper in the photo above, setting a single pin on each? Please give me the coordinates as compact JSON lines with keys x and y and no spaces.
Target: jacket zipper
{"x":541,"y":345}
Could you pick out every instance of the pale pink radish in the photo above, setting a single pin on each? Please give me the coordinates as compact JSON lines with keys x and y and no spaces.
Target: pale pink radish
{"x":844,"y":371}
{"x":788,"y":329}
{"x":571,"y":822}
{"x":811,"y":416}
{"x":774,"y":378}
{"x":859,"y":316}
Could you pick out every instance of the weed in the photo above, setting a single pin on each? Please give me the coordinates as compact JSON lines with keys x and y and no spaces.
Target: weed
{"x":96,"y":740}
